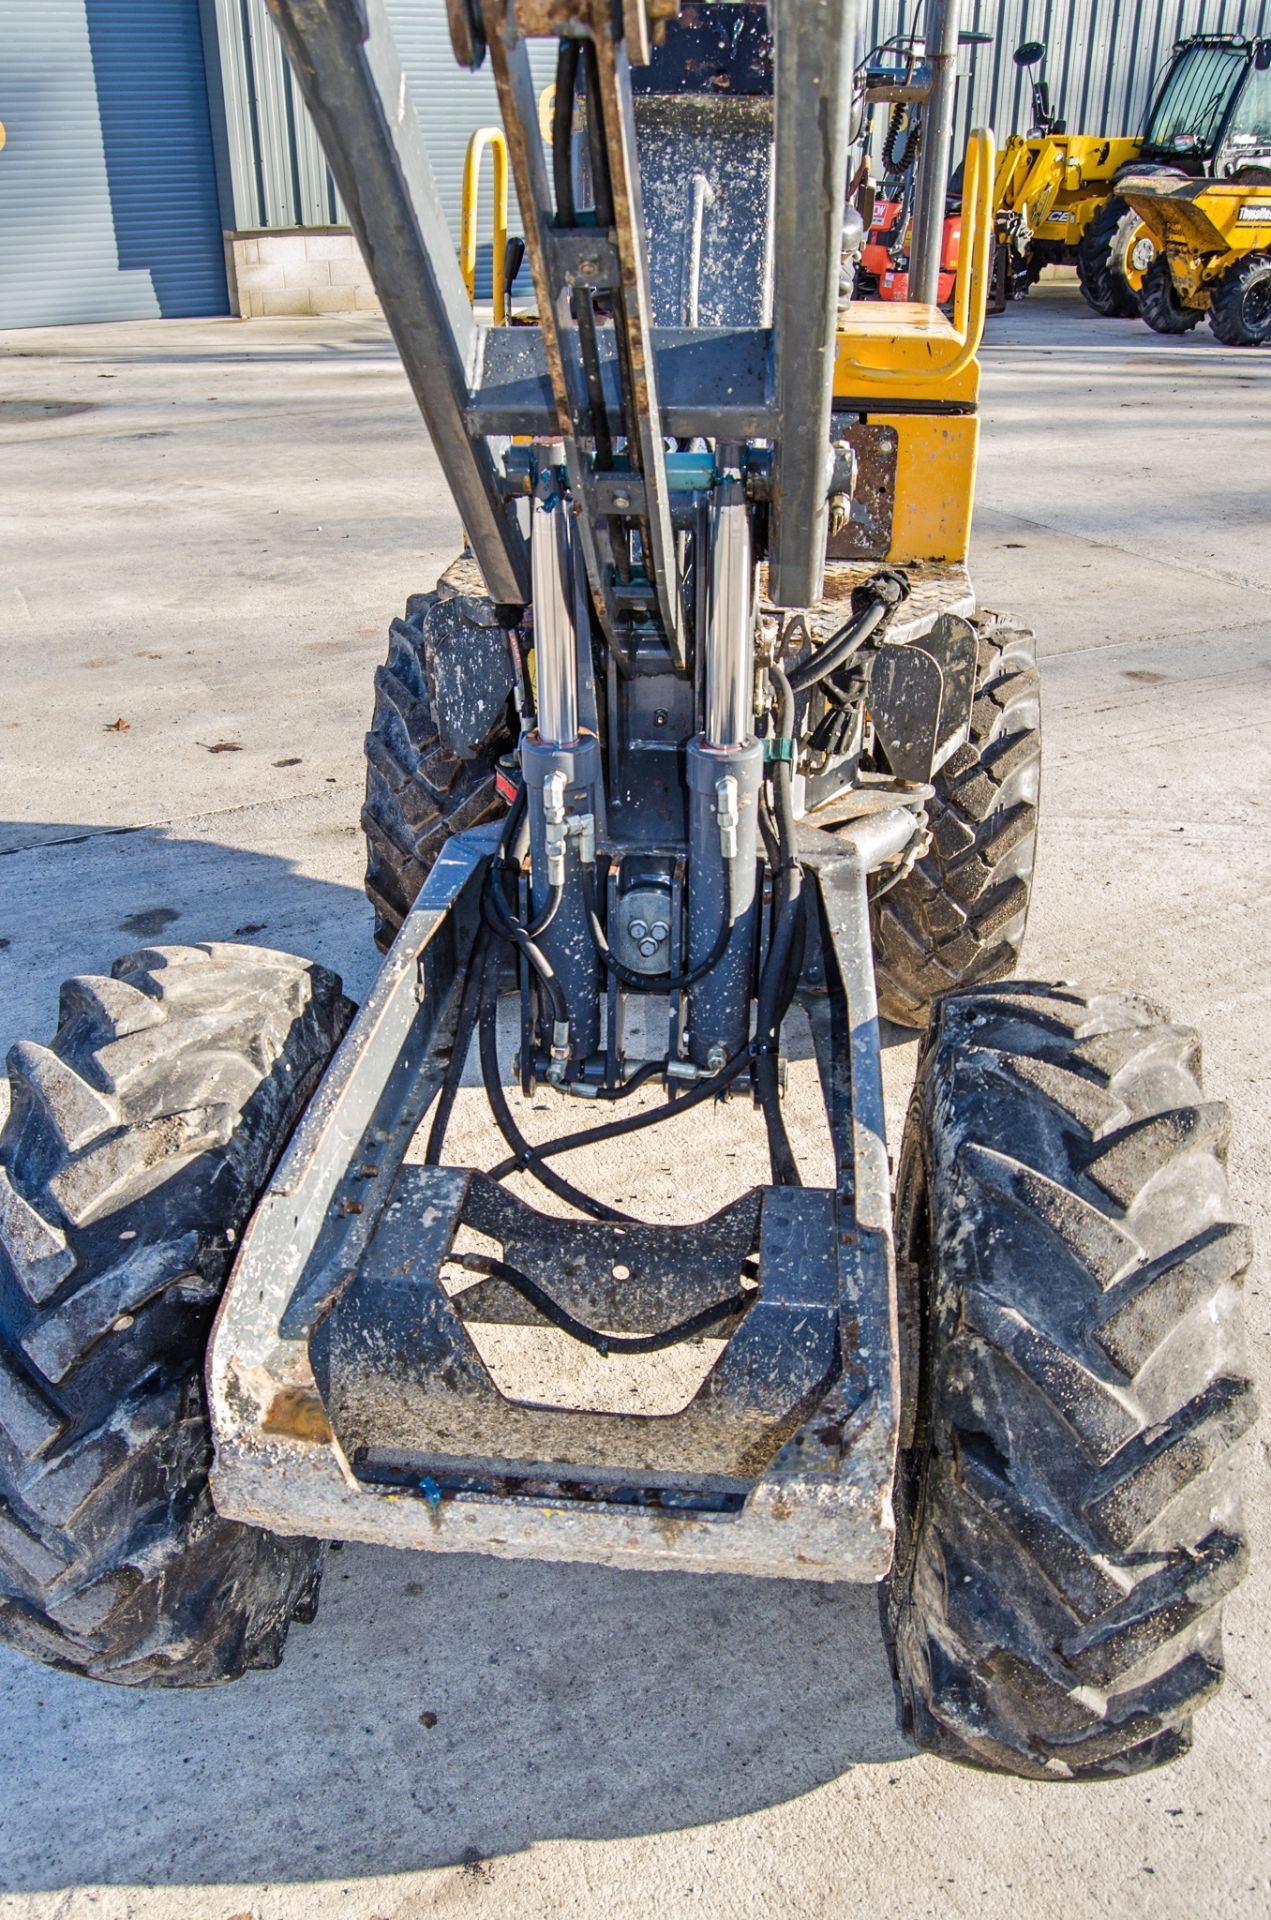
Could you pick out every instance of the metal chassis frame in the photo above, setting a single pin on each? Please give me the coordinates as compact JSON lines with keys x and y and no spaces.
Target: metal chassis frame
{"x":821,"y":1511}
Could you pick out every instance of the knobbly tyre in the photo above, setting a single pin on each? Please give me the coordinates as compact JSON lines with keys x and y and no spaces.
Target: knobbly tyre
{"x":716,"y":640}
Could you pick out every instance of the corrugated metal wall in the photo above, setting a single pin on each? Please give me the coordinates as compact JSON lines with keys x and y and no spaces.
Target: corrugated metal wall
{"x":1104,"y":58}
{"x":276,"y":173}
{"x":108,"y":201}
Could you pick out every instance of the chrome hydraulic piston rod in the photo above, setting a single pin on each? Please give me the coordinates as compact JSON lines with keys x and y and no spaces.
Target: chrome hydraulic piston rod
{"x":560,"y":764}
{"x":725,"y":767}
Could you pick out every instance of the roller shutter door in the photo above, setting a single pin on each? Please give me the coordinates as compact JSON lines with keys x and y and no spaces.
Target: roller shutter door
{"x":108,"y":206}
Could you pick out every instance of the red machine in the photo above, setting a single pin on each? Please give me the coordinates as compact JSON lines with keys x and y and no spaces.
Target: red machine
{"x":885,"y":259}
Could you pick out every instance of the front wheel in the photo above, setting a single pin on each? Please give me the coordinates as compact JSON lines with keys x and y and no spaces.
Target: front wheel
{"x":1240,"y":305}
{"x":135,"y":1148}
{"x":443,"y":716}
{"x":959,"y":915}
{"x":1111,"y":260}
{"x":1068,"y":1513}
{"x":1159,"y":303}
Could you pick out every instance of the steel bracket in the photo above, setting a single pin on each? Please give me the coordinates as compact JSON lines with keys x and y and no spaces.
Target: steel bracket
{"x":781,"y":1470}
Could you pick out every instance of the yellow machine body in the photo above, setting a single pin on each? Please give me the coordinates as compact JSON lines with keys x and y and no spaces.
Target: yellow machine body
{"x":911,"y":371}
{"x":1055,"y":183}
{"x":1204,"y":229}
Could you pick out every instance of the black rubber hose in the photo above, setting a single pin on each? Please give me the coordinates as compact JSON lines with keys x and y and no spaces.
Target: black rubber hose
{"x":525,"y":1156}
{"x":768,"y":832}
{"x":563,"y":133}
{"x":913,"y":140}
{"x":513,"y":842}
{"x":650,"y":1070}
{"x":603,"y":1343}
{"x":839,"y":647}
{"x":589,"y":346}
{"x":499,"y":919}
{"x":465,"y":1027}
{"x":786,"y":916}
{"x":598,"y":152}
{"x":659,"y":982}
{"x":632,"y":1123}
{"x":551,"y":908}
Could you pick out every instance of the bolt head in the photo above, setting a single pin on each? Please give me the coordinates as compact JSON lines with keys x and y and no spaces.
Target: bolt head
{"x":659,"y":931}
{"x":638,"y":930}
{"x":622,"y":501}
{"x":649,"y":947}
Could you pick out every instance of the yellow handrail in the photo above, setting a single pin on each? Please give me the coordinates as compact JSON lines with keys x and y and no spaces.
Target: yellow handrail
{"x":493,"y":138}
{"x":975,"y":257}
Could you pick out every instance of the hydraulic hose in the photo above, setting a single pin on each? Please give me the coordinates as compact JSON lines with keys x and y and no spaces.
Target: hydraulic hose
{"x":602,"y":1343}
{"x":499,"y":918}
{"x":913,"y":140}
{"x":498,"y":915}
{"x":526,"y":1156}
{"x":786,"y":918}
{"x":839,"y":647}
{"x":631,"y":1123}
{"x":465,"y":1027}
{"x":562,"y":132}
{"x":513,"y":846}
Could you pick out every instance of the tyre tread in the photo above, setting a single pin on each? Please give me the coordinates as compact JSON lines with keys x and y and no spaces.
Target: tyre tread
{"x":1056,"y":1606}
{"x":959,"y":917}
{"x":113,"y":1561}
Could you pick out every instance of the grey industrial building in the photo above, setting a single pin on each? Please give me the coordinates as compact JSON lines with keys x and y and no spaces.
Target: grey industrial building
{"x":158,"y":160}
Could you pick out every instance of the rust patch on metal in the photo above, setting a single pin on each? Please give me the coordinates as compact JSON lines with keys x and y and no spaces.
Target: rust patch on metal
{"x":298,"y":1415}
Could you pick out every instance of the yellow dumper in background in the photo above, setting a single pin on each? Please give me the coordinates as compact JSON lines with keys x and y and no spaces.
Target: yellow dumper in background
{"x":1214,"y":241}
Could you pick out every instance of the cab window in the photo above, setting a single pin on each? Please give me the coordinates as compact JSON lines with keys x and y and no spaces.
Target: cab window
{"x":1195,"y":99}
{"x":1251,"y":122}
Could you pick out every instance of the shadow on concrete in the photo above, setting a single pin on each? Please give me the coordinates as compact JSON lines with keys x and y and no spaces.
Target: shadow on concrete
{"x":74,"y":897}
{"x":441,"y":1708}
{"x":447,"y":1709}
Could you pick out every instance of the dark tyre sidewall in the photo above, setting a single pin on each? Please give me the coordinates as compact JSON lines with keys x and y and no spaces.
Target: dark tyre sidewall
{"x":1159,"y":303}
{"x":1245,"y":282}
{"x":197,"y":1598}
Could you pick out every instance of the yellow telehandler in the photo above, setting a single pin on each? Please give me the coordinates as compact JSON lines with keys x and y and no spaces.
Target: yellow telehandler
{"x":1061,"y":198}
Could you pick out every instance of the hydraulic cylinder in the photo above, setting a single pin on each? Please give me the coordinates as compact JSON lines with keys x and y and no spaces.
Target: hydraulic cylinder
{"x":725,"y":769}
{"x":560,"y":765}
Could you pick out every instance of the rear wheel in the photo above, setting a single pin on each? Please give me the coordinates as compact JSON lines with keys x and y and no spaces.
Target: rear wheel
{"x":135,"y":1148}
{"x":1159,"y":303}
{"x":435,"y":739}
{"x":960,"y":915}
{"x":1068,"y":1515}
{"x":1111,"y":261}
{"x":1240,"y":304}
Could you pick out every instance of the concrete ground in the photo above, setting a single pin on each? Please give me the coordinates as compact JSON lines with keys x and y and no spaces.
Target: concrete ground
{"x":206,"y":528}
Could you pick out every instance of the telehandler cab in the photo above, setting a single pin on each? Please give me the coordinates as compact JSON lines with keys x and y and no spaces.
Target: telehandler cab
{"x":705,"y":730}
